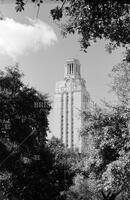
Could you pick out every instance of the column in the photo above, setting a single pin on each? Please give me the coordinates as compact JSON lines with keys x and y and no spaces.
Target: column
{"x":72,"y":122}
{"x":62,"y":118}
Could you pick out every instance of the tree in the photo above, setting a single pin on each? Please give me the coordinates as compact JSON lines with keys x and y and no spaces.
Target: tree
{"x":107,"y":166}
{"x":121,"y":80}
{"x":92,"y":20}
{"x":95,"y":19}
{"x":65,"y":166}
{"x":30,"y":167}
{"x":25,"y":161}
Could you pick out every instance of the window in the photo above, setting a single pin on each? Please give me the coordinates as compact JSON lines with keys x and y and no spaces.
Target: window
{"x":72,"y":68}
{"x":76,"y":68}
{"x":68,"y":68}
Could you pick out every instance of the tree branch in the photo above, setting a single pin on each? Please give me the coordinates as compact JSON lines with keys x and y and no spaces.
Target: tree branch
{"x":103,"y":194}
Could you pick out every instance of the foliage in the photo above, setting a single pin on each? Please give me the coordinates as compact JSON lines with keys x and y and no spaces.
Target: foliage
{"x":121,"y":80}
{"x":91,"y":19}
{"x":25,"y":161}
{"x":107,"y":166}
{"x":95,"y":19}
{"x":30,"y":167}
{"x":20,"y":4}
{"x":65,"y":166}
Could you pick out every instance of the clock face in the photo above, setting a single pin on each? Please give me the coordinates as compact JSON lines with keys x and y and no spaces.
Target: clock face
{"x":68,"y":82}
{"x":71,"y":84}
{"x":62,"y":89}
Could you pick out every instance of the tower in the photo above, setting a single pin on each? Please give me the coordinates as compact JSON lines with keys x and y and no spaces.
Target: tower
{"x":70,"y":99}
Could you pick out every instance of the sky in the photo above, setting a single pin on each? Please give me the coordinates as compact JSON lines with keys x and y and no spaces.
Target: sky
{"x":41,"y":51}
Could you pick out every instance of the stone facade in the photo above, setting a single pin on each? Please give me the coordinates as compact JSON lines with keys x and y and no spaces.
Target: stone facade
{"x":71,"y":98}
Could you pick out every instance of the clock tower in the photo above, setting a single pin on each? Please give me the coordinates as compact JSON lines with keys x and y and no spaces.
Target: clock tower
{"x":70,"y":99}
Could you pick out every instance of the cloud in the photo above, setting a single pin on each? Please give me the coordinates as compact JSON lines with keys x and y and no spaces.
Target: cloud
{"x":17,"y":39}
